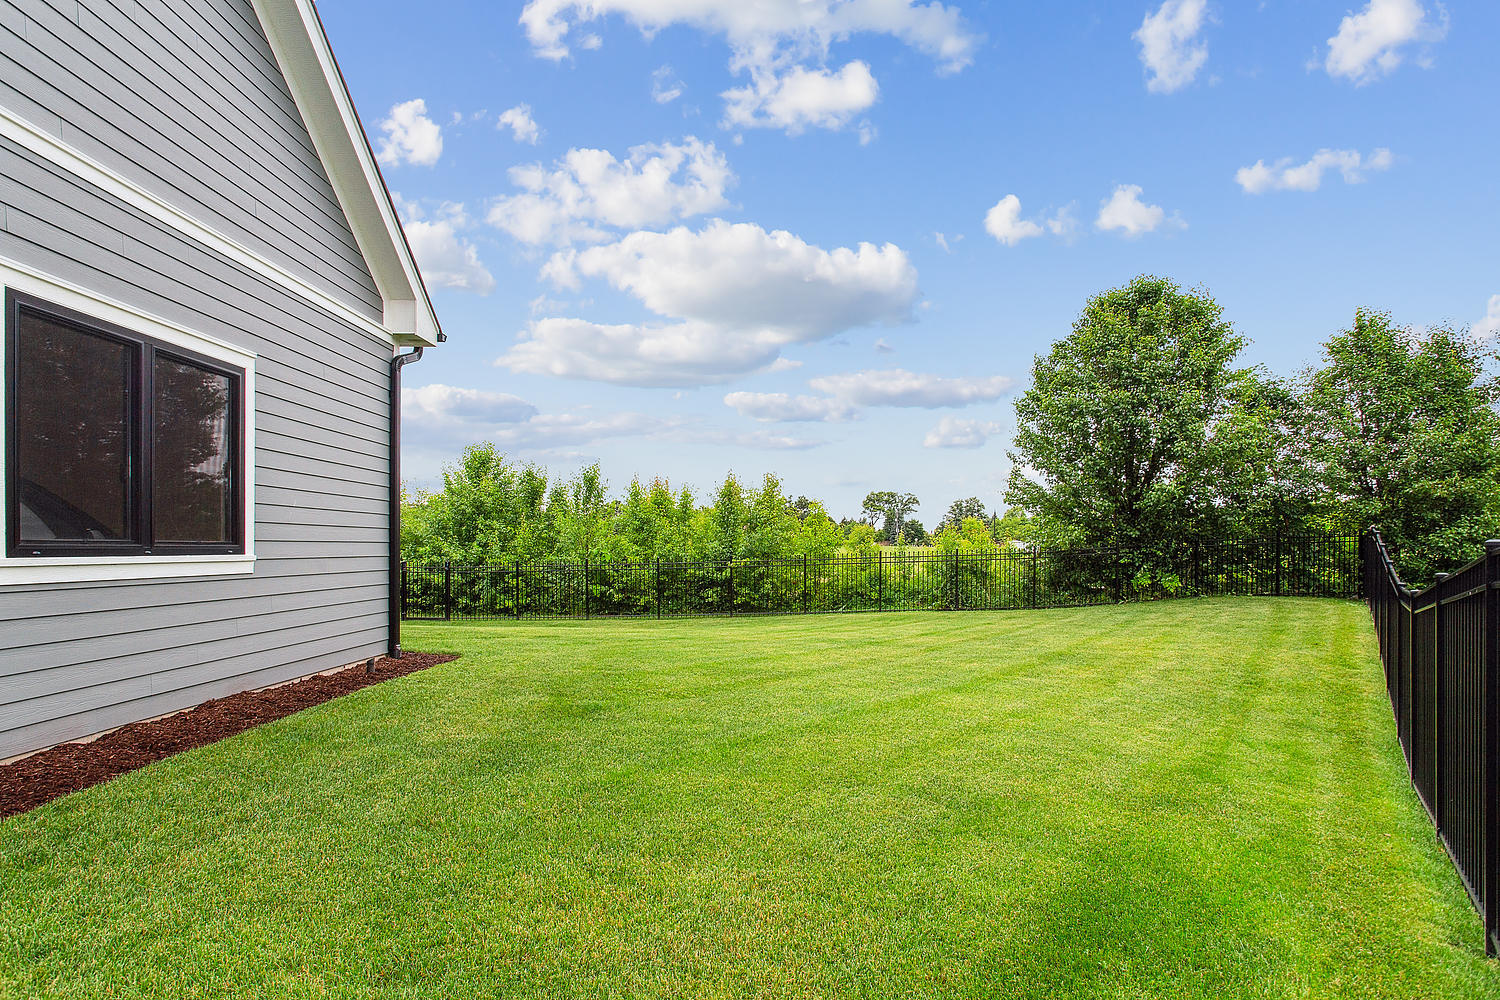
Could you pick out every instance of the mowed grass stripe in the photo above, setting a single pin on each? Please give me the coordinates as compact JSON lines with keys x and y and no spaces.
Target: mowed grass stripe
{"x":1186,"y":799}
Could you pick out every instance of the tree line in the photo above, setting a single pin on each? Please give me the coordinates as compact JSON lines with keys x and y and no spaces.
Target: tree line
{"x":1142,"y":429}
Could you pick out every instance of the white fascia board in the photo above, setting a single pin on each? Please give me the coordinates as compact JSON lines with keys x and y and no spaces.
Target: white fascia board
{"x":302,"y":51}
{"x":97,"y":569}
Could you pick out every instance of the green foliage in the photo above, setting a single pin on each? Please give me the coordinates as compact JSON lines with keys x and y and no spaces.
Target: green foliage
{"x":1400,"y":430}
{"x":960,"y":509}
{"x":493,"y":511}
{"x":889,"y":510}
{"x":1141,"y":432}
{"x":1116,"y":442}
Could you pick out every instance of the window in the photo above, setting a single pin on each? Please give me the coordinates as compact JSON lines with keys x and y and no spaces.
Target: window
{"x":117,"y":444}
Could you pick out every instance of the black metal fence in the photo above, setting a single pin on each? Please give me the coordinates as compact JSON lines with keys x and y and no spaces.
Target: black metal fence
{"x":1441,"y":651}
{"x":890,"y":580}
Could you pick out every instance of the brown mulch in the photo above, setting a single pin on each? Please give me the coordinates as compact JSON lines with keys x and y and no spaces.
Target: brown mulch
{"x":44,"y":776}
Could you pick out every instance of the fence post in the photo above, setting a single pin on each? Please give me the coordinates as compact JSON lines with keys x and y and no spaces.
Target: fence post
{"x":518,"y":590}
{"x":804,"y":584}
{"x":1437,"y":707}
{"x":585,"y":588}
{"x":403,"y":590}
{"x":1036,"y":568}
{"x":658,"y":588}
{"x":1490,"y":760}
{"x":1278,"y":562}
{"x":955,"y":581}
{"x":880,"y":581}
{"x":447,"y":590}
{"x":731,"y":586}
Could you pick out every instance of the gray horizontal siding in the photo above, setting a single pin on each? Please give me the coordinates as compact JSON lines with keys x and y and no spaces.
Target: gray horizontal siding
{"x":230,"y":677}
{"x":185,"y":99}
{"x":79,"y":658}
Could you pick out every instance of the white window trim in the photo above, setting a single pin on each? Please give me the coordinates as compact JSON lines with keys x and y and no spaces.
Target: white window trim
{"x":98,"y":569}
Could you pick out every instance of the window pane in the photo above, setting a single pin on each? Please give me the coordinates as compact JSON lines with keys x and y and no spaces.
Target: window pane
{"x":192,"y":482}
{"x":72,"y":433}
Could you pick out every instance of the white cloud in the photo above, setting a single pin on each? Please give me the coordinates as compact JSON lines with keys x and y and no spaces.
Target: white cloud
{"x":449,"y":416}
{"x":799,"y":98}
{"x":882,"y":347}
{"x":805,"y":26}
{"x":1063,"y":224}
{"x":410,"y":136}
{"x":665,"y":87}
{"x":1489,"y":327}
{"x":447,"y":259}
{"x":1368,"y":44}
{"x":1124,"y":210}
{"x":783,"y":408}
{"x":443,"y":255}
{"x":1284,"y":175}
{"x":952,"y":432}
{"x":1170,"y":48}
{"x":732,"y":297}
{"x":898,"y":387}
{"x":588,"y":191}
{"x":523,"y":128}
{"x":783,"y":45}
{"x":434,"y":406}
{"x":1004,"y":222}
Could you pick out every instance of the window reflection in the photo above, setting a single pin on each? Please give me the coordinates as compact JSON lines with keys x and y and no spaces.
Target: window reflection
{"x":72,"y":429}
{"x":192,"y":498}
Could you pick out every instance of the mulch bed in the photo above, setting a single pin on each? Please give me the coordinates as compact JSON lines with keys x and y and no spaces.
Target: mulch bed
{"x":44,"y":776}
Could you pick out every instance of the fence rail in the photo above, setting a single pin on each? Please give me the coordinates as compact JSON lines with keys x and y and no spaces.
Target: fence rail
{"x":1441,"y":653}
{"x":1293,"y":565}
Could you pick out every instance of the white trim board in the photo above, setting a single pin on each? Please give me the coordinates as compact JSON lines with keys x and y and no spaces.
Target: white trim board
{"x":91,"y":569}
{"x":302,"y":50}
{"x":61,"y":154}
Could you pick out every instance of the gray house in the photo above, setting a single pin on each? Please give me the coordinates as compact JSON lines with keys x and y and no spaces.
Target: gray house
{"x":207,"y":293}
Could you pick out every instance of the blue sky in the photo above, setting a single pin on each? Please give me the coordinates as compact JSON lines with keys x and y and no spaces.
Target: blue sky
{"x":825,"y":238}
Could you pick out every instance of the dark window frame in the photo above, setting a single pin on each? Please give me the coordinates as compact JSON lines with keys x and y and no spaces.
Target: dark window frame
{"x":140,"y":480}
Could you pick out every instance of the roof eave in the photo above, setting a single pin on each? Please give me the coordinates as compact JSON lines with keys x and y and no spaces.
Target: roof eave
{"x":301,"y":47}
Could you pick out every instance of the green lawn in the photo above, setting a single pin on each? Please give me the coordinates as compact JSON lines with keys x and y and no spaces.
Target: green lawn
{"x":1184,"y":799}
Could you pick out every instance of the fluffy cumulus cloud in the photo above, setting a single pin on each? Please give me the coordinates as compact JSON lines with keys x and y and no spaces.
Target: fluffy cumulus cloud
{"x":523,"y":128}
{"x":783,"y":408}
{"x":1286,"y":175}
{"x":1004,"y":222}
{"x":953,"y":432}
{"x":1489,"y":327}
{"x":1371,"y":43}
{"x":588,"y":192}
{"x":409,"y":136}
{"x":782,"y":44}
{"x":731,"y":297}
{"x":898,"y":387}
{"x":1171,"y":50}
{"x":802,"y":97}
{"x":445,"y":257}
{"x":1127,"y":212}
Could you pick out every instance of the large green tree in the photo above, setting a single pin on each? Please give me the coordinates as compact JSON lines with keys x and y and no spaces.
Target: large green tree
{"x":1400,"y":430}
{"x":1116,"y":440}
{"x":890,"y":509}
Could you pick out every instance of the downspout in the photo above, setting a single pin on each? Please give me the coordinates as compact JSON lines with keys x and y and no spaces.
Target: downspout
{"x":394,"y":612}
